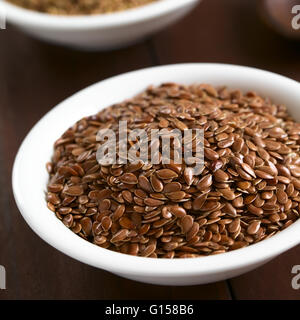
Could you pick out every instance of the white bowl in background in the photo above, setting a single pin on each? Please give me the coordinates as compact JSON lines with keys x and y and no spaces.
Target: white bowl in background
{"x":103,"y":31}
{"x":30,"y":177}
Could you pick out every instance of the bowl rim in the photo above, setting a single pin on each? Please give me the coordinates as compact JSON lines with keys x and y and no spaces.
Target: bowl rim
{"x":146,"y":12}
{"x":126,"y":264}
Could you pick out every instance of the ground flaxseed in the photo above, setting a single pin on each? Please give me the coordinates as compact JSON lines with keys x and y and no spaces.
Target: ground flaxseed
{"x":79,"y":7}
{"x":247,"y":191}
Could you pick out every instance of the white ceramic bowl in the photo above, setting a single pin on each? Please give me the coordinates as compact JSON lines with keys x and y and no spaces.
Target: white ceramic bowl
{"x":30,"y":176}
{"x":103,"y":32}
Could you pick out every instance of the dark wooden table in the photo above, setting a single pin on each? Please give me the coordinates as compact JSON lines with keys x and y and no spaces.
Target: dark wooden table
{"x":35,"y":76}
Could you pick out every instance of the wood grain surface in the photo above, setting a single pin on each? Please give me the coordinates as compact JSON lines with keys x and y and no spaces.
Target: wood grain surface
{"x":35,"y":76}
